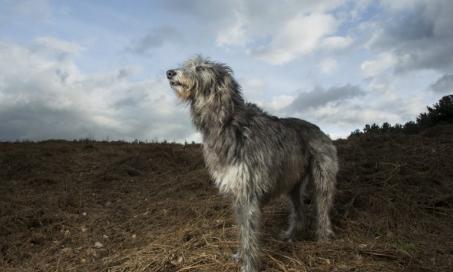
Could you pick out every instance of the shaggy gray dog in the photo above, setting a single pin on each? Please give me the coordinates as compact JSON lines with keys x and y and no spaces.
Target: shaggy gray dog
{"x":255,"y":157}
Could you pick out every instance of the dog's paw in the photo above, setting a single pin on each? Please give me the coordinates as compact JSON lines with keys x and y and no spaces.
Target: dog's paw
{"x":325,"y":235}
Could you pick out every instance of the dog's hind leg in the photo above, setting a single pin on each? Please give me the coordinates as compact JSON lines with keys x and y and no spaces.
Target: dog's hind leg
{"x":296,"y":219}
{"x":249,"y":218}
{"x":324,"y":170}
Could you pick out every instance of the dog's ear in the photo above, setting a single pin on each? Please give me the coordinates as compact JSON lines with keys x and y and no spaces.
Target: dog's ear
{"x":224,"y":79}
{"x":226,"y":83}
{"x":227,"y":95}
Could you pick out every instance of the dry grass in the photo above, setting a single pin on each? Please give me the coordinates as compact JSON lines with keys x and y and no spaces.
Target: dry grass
{"x":92,"y":206}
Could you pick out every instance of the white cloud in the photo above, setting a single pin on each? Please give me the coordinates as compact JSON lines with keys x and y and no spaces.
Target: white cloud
{"x":328,"y":65}
{"x":380,"y":64}
{"x":336,"y":42}
{"x":59,"y":45}
{"x":299,"y":36}
{"x":278,"y":103}
{"x":234,"y":34}
{"x":353,"y":114}
{"x":43,"y":91}
{"x":274,"y":31}
{"x":417,"y":33}
{"x":43,"y":96}
{"x":342,"y":109}
{"x":252,"y":87}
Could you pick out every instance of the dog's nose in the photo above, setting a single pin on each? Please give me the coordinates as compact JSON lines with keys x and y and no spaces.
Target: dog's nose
{"x":170,"y":74}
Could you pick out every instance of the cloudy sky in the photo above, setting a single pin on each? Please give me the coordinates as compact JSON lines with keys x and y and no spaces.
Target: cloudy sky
{"x":77,"y":69}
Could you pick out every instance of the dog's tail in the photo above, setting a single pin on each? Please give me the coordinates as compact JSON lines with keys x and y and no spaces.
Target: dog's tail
{"x":324,"y":168}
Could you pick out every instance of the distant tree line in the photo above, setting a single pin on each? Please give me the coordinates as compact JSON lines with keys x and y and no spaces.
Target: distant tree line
{"x":439,"y":113}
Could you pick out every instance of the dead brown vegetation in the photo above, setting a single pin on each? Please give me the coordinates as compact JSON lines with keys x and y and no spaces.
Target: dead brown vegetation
{"x":93,"y":206}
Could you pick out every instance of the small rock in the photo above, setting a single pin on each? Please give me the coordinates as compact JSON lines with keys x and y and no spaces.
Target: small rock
{"x":134,"y":236}
{"x":98,"y":245}
{"x":358,"y":258}
{"x":219,"y":222}
{"x":177,"y":261}
{"x":66,"y":250}
{"x":84,"y":214}
{"x":105,"y":236}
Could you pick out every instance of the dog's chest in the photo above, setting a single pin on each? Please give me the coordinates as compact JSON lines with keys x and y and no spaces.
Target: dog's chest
{"x":229,"y":178}
{"x":232,"y":178}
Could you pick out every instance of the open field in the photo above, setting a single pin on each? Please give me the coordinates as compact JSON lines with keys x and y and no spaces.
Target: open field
{"x":98,"y":206}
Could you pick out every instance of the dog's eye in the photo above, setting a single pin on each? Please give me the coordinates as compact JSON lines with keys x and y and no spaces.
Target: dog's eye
{"x":199,"y":68}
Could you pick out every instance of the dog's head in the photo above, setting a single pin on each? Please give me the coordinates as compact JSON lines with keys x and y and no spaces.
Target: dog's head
{"x":201,"y":79}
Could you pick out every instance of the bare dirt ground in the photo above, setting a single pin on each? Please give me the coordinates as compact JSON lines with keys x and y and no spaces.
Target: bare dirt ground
{"x":98,"y":206}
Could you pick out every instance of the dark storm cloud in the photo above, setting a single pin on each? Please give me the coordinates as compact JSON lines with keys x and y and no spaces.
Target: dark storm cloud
{"x":36,"y":121}
{"x":444,"y":84}
{"x":320,"y":96}
{"x":420,"y":36}
{"x":154,"y":39}
{"x":405,"y":29}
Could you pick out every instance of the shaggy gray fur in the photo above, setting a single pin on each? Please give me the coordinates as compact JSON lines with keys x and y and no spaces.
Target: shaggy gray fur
{"x":255,"y":157}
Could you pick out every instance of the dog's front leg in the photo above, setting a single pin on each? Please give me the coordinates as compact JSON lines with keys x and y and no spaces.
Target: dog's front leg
{"x":249,"y":219}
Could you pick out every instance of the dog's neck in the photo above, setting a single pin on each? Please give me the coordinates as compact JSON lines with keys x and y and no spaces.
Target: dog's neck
{"x":213,"y":115}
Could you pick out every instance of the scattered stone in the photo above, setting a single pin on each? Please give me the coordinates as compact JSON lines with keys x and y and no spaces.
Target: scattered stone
{"x":98,"y":245}
{"x":66,"y":250}
{"x":177,"y":261}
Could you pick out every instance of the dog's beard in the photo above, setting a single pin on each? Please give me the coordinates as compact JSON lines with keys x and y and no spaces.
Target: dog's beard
{"x":180,"y":90}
